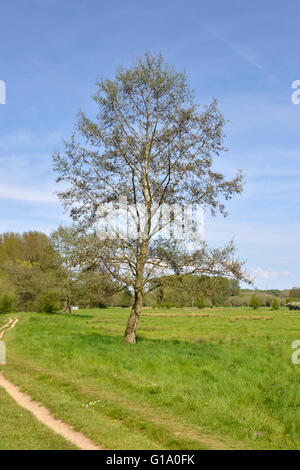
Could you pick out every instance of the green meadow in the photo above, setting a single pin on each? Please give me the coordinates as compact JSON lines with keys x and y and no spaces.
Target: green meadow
{"x":216,"y":378}
{"x":21,"y":431}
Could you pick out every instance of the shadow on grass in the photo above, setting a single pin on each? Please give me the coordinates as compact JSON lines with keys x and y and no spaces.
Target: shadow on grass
{"x":147,"y":344}
{"x":76,"y":315}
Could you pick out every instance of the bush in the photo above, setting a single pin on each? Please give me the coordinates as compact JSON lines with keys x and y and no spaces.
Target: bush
{"x":102,"y":305}
{"x":168,"y":305}
{"x":254,"y":302}
{"x":47,"y":303}
{"x":218,"y":300}
{"x":125,"y":300}
{"x":294,"y":305}
{"x":291,"y":299}
{"x":5,"y":304}
{"x":200,"y":302}
{"x":236,"y":301}
{"x":275,"y":304}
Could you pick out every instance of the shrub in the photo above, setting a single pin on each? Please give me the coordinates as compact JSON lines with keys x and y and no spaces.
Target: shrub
{"x":5,"y":304}
{"x":236,"y":301}
{"x":294,"y":305}
{"x":47,"y":303}
{"x":200,"y":302}
{"x":268,"y":303}
{"x":291,"y":299}
{"x":178,"y":305}
{"x":254,"y":302}
{"x":168,"y":305}
{"x":275,"y":304}
{"x":218,"y":300}
{"x":125,"y":300}
{"x":102,"y":305}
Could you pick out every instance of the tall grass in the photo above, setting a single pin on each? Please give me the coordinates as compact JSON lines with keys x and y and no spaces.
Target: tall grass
{"x":224,"y":380}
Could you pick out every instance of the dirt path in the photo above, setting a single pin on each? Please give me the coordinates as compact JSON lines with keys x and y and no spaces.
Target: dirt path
{"x":42,"y":413}
{"x":9,"y":324}
{"x":6,"y":324}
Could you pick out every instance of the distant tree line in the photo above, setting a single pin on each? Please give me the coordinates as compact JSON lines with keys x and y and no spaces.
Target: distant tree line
{"x":186,"y":291}
{"x":53,"y":273}
{"x":50,"y":273}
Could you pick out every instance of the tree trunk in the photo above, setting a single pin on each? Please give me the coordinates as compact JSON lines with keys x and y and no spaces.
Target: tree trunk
{"x":69,"y":305}
{"x":130,"y":332}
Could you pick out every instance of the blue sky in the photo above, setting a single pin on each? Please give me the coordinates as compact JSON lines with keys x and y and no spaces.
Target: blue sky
{"x":243,"y":53}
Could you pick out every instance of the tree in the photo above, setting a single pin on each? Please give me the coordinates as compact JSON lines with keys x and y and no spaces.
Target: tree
{"x":153,"y":145}
{"x":27,"y":268}
{"x":254,"y":302}
{"x":295,"y":293}
{"x":275,"y":304}
{"x":200,"y":302}
{"x":6,"y":304}
{"x":64,"y":243}
{"x":81,"y":281}
{"x":47,"y":303}
{"x":234,"y":287}
{"x":32,"y":247}
{"x":183,"y":291}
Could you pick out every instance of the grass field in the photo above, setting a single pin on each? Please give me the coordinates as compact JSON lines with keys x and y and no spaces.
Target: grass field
{"x":218,"y":378}
{"x":19,"y":430}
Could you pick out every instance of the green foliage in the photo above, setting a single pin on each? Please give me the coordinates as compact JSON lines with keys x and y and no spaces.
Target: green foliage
{"x":102,"y":305}
{"x":275,"y":292}
{"x":218,"y":300}
{"x":294,"y":305}
{"x":27,"y":267}
{"x":168,"y":305}
{"x":32,"y":247}
{"x":125,"y":299}
{"x":275,"y":304}
{"x":238,"y":301}
{"x":295,"y":293}
{"x":291,"y":299}
{"x":254,"y":302}
{"x":47,"y":303}
{"x":183,"y":291}
{"x":200,"y":302}
{"x":32,"y":263}
{"x":6,"y":303}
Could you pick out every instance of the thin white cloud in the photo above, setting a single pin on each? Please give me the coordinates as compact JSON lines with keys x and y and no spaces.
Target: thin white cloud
{"x":22,"y":139}
{"x":262,"y":274}
{"x":26,"y":194}
{"x":252,"y":233}
{"x":244,"y":53}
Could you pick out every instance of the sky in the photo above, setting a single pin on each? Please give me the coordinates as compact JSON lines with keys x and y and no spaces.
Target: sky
{"x":245,"y":54}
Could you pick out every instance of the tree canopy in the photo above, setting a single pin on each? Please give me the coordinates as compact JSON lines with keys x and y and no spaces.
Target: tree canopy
{"x":152,"y":144}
